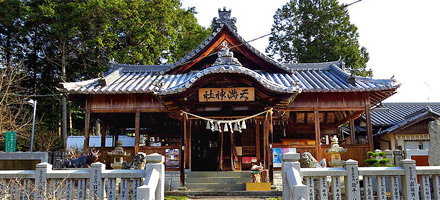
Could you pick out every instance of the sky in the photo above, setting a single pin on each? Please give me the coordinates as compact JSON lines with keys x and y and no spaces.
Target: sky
{"x":401,"y":36}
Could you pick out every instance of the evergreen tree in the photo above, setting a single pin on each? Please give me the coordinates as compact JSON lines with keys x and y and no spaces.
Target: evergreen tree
{"x":74,"y":40}
{"x":316,"y":31}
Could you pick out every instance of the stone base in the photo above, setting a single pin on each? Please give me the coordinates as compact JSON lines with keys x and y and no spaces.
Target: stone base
{"x":264,"y":186}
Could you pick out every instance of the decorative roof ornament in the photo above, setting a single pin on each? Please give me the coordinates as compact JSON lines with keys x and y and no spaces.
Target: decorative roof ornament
{"x":226,"y":57}
{"x":224,"y":19}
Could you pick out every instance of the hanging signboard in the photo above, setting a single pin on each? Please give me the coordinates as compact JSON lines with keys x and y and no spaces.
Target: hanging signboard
{"x":10,"y":140}
{"x":226,"y":94}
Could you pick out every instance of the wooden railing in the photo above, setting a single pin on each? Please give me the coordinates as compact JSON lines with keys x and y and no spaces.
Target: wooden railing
{"x":92,"y":183}
{"x":345,"y":183}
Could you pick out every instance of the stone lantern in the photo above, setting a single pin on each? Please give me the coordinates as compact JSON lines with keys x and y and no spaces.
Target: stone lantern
{"x":335,"y":151}
{"x":118,"y":155}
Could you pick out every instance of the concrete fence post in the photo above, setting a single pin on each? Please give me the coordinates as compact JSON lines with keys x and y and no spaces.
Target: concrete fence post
{"x":409,"y":181}
{"x":398,"y":156}
{"x":389,"y":155}
{"x":96,"y":185}
{"x":154,"y":163}
{"x":292,"y":166}
{"x":41,"y":180}
{"x":352,"y":182}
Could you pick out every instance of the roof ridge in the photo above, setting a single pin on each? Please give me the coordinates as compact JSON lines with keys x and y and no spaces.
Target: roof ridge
{"x":216,"y":30}
{"x":138,"y":68}
{"x":418,"y":103}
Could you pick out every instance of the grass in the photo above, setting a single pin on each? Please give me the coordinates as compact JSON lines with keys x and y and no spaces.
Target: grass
{"x":176,"y":198}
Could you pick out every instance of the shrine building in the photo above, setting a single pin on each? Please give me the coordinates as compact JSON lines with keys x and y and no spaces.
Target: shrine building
{"x":225,"y":106}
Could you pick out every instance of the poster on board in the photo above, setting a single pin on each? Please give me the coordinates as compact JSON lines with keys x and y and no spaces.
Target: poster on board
{"x":278,"y":155}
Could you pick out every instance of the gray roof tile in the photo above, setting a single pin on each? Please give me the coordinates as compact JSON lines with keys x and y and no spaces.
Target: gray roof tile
{"x":390,"y":114}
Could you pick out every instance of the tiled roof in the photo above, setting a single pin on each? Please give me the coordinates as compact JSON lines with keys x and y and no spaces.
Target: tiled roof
{"x":390,"y":114}
{"x":297,"y":77}
{"x":412,"y":118}
{"x":143,"y":79}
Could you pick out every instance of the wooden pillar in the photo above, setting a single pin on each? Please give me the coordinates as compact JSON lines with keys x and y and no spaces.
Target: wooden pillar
{"x":317,"y":135}
{"x":232,"y":149}
{"x":266,"y":143}
{"x":270,"y":139}
{"x":220,"y":167}
{"x":182,"y":151}
{"x":103,"y":133}
{"x":369,"y":127}
{"x":188,"y":144}
{"x":257,"y":139}
{"x":137,"y":124}
{"x":87,"y":126}
{"x":352,"y":132}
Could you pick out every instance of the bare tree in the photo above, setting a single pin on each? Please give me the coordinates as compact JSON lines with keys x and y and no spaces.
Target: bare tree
{"x":15,"y":114}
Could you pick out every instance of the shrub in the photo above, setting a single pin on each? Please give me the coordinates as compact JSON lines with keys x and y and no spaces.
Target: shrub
{"x":377,"y":160}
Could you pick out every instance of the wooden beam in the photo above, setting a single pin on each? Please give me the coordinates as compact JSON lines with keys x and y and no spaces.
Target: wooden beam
{"x":111,"y":110}
{"x":266,"y":143}
{"x":322,"y":108}
{"x":369,"y":126}
{"x":188,"y":144}
{"x":221,"y":150}
{"x":317,"y":135}
{"x":182,"y":151}
{"x":232,"y":148}
{"x":352,"y":132}
{"x":270,"y":147}
{"x":87,"y":126}
{"x":137,"y":127}
{"x":103,"y":133}
{"x":257,"y":140}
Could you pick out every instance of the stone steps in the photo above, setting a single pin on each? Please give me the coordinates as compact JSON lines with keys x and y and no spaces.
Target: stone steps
{"x":209,"y":181}
{"x":225,"y":194}
{"x":214,"y":181}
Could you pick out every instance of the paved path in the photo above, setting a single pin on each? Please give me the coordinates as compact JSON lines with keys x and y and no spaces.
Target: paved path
{"x":226,"y":198}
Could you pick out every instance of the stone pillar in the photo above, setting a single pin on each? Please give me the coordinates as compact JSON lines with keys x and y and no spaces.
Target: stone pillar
{"x":154,"y":162}
{"x":398,"y":156}
{"x":41,"y":180}
{"x":298,"y":191}
{"x":410,"y":189}
{"x":352,"y":183}
{"x":434,"y":143}
{"x":96,"y":185}
{"x":389,"y":155}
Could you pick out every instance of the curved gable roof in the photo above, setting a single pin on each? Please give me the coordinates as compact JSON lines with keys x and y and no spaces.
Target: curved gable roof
{"x":284,"y":78}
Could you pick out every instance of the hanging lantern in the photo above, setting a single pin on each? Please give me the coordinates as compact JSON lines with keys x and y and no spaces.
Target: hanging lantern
{"x":243,"y":125}
{"x":236,"y":125}
{"x":208,"y":126}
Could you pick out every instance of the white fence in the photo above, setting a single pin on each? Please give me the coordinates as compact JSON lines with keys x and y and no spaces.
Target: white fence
{"x":354,"y":183}
{"x":92,"y":183}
